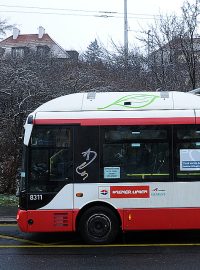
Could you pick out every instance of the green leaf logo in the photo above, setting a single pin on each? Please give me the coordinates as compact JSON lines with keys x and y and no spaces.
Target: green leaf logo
{"x":137,"y":101}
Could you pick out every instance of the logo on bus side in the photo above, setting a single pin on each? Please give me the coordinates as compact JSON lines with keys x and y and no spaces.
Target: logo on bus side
{"x":130,"y":192}
{"x":158,"y":192}
{"x":133,"y":101}
{"x":104,"y":192}
{"x":124,"y":192}
{"x":89,"y":156}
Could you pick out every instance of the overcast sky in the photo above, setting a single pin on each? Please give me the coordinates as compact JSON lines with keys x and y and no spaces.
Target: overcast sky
{"x":75,"y":23}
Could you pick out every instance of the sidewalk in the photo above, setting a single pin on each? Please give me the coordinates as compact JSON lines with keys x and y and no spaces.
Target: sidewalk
{"x":8,"y":214}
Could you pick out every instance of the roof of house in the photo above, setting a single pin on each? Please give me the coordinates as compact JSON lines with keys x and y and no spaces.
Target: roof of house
{"x":35,"y":40}
{"x":26,"y":40}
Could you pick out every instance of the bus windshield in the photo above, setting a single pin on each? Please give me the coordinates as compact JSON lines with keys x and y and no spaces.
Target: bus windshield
{"x":51,"y":158}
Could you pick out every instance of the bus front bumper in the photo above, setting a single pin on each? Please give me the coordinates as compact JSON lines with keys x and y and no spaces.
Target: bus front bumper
{"x":46,"y":220}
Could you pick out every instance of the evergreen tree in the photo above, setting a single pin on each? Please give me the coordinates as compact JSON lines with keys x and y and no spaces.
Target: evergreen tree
{"x":93,"y":53}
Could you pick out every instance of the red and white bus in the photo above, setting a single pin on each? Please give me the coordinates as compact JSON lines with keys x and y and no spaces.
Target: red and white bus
{"x":98,"y":163}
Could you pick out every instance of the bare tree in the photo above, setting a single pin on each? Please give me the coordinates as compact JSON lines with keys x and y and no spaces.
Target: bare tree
{"x":26,"y":84}
{"x":4,"y":27}
{"x":190,"y":43}
{"x":172,"y":49}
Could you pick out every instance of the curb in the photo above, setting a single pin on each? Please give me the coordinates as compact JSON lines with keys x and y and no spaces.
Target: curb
{"x":8,"y":220}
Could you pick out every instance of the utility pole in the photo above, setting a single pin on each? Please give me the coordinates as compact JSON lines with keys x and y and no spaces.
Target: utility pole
{"x":125,"y":36}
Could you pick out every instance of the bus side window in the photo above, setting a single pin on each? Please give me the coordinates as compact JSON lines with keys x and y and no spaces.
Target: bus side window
{"x":138,"y":153}
{"x":187,"y":151}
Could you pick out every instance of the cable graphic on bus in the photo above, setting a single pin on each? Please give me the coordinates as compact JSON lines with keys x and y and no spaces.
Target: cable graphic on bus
{"x":89,"y":156}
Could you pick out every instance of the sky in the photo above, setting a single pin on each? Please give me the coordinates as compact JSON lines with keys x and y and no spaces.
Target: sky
{"x":74,"y":24}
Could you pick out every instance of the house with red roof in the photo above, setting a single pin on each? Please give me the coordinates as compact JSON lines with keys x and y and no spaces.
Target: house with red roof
{"x":40,"y":45}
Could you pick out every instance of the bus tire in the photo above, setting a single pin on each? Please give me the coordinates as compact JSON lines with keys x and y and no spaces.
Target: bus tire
{"x":99,"y":225}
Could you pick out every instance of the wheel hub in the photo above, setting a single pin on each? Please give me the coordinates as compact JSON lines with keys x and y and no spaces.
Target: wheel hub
{"x":99,"y":225}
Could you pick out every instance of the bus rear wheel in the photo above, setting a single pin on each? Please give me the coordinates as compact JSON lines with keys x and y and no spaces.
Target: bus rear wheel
{"x":99,"y":225}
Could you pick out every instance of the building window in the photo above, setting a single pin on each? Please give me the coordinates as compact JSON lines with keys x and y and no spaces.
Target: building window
{"x":2,"y":51}
{"x":42,"y":51}
{"x":18,"y":52}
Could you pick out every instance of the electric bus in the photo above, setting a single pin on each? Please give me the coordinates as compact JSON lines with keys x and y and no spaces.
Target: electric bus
{"x":101,"y":163}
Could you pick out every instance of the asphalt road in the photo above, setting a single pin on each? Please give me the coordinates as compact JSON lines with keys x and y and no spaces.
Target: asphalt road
{"x":138,"y":250}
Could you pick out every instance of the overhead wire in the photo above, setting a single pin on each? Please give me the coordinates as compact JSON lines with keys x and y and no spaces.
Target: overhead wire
{"x":45,"y":8}
{"x":93,"y":13}
{"x":43,"y":13}
{"x":79,"y":15}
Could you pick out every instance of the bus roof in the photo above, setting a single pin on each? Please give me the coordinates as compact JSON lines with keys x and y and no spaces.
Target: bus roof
{"x":122,"y":101}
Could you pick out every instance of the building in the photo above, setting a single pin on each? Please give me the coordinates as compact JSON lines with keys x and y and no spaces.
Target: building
{"x":40,"y":45}
{"x":176,"y":51}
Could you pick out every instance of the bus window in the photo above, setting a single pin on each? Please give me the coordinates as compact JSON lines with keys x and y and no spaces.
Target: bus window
{"x":134,"y":133}
{"x":135,"y":154}
{"x":188,"y":132}
{"x":188,"y":153}
{"x":52,"y":137}
{"x":51,"y":159}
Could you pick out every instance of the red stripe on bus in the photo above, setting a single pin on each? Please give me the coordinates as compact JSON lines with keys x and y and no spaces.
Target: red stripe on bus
{"x":161,"y":219}
{"x":117,"y":121}
{"x":197,"y":120}
{"x":131,"y":219}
